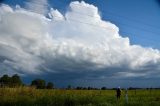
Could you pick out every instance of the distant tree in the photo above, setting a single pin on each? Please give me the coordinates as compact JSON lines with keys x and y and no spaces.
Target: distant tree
{"x":39,"y":83}
{"x":79,"y":88}
{"x":84,"y":88}
{"x":103,"y":88}
{"x":69,"y":87}
{"x":5,"y":80}
{"x":89,"y":88}
{"x":50,"y":85}
{"x":15,"y":80}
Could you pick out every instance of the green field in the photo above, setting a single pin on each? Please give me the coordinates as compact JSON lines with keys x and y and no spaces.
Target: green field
{"x":27,"y":96}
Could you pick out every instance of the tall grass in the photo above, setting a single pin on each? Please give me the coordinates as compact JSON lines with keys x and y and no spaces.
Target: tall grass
{"x":28,"y":96}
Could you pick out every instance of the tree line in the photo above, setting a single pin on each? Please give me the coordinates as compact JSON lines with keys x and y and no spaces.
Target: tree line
{"x":15,"y":81}
{"x":12,"y":81}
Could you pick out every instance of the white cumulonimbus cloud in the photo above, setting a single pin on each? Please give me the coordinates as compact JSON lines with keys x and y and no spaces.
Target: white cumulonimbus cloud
{"x":78,"y":42}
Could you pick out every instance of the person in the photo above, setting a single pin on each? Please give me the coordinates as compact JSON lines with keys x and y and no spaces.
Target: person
{"x":126,"y":95}
{"x":118,"y":93}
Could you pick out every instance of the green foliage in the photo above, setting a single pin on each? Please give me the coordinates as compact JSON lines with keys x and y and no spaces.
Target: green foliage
{"x":15,"y":95}
{"x":28,"y":96}
{"x":103,"y":88}
{"x":6,"y":81}
{"x":15,"y":80}
{"x":39,"y":83}
{"x":50,"y":85}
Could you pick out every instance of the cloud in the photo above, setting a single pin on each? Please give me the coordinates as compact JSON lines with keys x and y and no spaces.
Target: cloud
{"x":86,"y":47}
{"x":40,"y":6}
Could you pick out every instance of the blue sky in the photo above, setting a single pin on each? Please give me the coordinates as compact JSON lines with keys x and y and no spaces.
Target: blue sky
{"x":69,"y":46}
{"x":137,"y":19}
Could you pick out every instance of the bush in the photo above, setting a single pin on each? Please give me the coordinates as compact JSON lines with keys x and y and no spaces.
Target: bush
{"x":13,"y":81}
{"x":50,"y":85}
{"x":39,"y":83}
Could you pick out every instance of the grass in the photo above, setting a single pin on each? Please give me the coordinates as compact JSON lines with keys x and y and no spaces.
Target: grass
{"x":27,"y":96}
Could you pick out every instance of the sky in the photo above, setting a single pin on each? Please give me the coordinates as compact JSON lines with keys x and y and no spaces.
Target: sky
{"x":82,"y":43}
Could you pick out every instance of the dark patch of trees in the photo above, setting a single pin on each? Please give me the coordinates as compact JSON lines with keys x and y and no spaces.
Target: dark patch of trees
{"x":41,"y":84}
{"x":79,"y":88}
{"x":50,"y":85}
{"x":13,"y":81}
{"x":103,"y":88}
{"x":86,"y":88}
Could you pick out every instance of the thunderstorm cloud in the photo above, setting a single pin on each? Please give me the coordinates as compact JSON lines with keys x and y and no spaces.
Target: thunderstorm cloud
{"x":77,"y":42}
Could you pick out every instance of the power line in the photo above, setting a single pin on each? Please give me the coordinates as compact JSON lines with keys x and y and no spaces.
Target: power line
{"x":135,"y":27}
{"x":108,"y":12}
{"x":75,"y":20}
{"x":138,"y":28}
{"x":102,"y":10}
{"x":97,"y":26}
{"x":80,"y":13}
